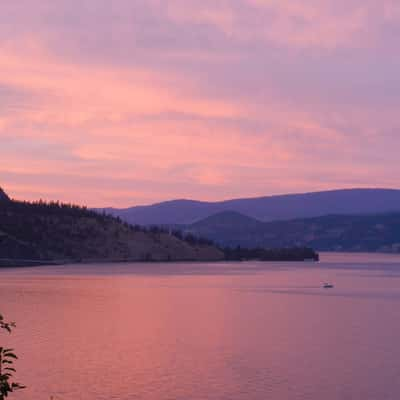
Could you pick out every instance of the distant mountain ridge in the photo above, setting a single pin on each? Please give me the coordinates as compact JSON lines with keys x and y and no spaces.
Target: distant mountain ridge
{"x":270,"y":208}
{"x":370,"y":233}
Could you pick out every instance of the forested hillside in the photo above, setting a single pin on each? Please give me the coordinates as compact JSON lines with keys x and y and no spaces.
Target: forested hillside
{"x":54,"y":231}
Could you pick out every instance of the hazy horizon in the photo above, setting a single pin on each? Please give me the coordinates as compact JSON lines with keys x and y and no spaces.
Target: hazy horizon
{"x":260,"y":196}
{"x":129,"y":205}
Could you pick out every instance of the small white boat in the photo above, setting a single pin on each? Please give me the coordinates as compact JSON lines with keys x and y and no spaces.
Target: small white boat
{"x":328,"y":285}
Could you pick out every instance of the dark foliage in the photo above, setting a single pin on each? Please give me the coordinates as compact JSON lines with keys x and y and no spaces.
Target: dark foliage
{"x":67,"y":232}
{"x":3,"y":195}
{"x":7,"y":358}
{"x":239,"y":253}
{"x":284,"y":254}
{"x":43,"y":230}
{"x":189,"y":238}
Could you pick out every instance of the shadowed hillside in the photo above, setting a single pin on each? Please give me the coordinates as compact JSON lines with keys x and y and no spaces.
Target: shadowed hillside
{"x":224,"y":224}
{"x":3,"y":195}
{"x":53,"y":231}
{"x":333,"y":232}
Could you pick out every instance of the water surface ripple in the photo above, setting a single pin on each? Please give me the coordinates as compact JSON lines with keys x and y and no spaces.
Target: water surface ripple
{"x":226,"y":331}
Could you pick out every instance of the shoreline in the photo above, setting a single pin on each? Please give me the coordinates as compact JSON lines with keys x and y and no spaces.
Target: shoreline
{"x":10,"y":264}
{"x":325,"y":256}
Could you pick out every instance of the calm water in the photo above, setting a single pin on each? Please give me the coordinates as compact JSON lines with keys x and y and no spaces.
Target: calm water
{"x":207,"y":331}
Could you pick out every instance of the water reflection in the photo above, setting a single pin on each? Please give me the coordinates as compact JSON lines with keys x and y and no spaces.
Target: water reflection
{"x":207,"y":331}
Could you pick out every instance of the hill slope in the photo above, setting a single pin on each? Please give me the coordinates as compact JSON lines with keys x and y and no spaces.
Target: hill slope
{"x":61,"y":232}
{"x":224,"y":224}
{"x":333,"y":232}
{"x":286,"y":207}
{"x":3,"y":195}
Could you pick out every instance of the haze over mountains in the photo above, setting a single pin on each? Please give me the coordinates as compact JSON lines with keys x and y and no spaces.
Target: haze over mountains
{"x":337,"y":220}
{"x":369,"y":233}
{"x":271,"y":208}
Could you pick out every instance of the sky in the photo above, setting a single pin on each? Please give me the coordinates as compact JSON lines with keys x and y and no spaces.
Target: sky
{"x":126,"y":102}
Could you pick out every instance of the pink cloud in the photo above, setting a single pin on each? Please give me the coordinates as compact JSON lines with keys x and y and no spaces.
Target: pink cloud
{"x":134,"y":102}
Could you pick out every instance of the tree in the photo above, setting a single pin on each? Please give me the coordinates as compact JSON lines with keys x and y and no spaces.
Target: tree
{"x":7,"y":358}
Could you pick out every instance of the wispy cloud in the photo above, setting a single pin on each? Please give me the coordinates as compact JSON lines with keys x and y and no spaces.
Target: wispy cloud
{"x":129,"y":102}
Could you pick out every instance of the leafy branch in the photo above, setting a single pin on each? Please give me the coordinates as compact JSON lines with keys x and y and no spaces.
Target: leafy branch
{"x":7,"y":358}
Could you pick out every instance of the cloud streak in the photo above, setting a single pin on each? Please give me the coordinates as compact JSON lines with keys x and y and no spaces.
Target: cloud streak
{"x":129,"y":102}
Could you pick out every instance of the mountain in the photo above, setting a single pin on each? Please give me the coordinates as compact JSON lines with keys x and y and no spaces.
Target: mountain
{"x":224,"y":224}
{"x":284,"y":207}
{"x":3,"y":195}
{"x":53,"y":231}
{"x":379,"y":232}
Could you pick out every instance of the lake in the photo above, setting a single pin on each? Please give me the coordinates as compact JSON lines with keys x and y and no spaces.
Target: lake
{"x":223,"y":331}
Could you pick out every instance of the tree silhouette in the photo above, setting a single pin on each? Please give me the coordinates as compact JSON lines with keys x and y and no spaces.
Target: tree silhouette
{"x":7,"y":358}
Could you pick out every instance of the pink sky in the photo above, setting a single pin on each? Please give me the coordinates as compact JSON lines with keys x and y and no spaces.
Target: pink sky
{"x":138,"y":101}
